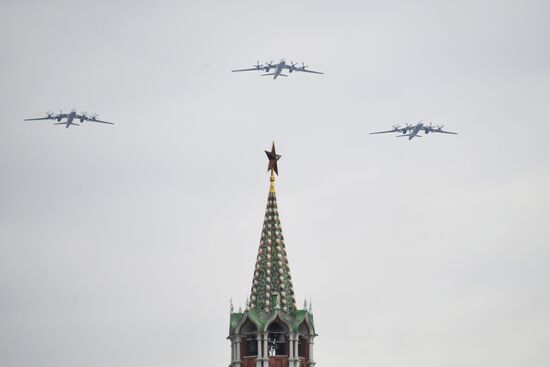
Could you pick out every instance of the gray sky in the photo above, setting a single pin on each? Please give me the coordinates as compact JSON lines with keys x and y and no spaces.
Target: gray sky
{"x":121,"y":245}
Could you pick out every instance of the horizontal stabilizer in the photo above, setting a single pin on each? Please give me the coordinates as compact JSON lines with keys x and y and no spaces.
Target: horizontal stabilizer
{"x":64,"y":123}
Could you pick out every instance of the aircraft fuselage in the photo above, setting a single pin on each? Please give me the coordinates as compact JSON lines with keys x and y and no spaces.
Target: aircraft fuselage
{"x":279,"y":69}
{"x":70,"y":118}
{"x":414,"y":132}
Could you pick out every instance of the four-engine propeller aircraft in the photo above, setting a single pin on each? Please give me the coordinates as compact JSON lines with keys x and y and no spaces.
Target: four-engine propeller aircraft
{"x":278,"y":68}
{"x":71,"y":116}
{"x":411,"y":131}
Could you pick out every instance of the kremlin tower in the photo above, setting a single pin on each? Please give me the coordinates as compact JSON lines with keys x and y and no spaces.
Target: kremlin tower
{"x":272,"y":331}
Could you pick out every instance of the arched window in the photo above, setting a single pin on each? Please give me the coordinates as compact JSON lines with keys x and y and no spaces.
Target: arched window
{"x":249,"y":344}
{"x":303,"y":341}
{"x":277,"y":339}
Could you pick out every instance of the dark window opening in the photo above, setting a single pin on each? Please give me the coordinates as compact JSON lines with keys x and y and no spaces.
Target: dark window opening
{"x":303,"y":347}
{"x":249,"y":342}
{"x":251,"y":346}
{"x":276,"y":340}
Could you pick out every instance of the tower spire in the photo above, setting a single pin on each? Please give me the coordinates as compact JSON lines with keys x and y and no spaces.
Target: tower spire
{"x":272,"y":330}
{"x":272,"y":285}
{"x":272,"y":182}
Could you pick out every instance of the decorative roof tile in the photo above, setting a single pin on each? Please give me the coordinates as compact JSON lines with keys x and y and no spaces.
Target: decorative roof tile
{"x":272,"y":259}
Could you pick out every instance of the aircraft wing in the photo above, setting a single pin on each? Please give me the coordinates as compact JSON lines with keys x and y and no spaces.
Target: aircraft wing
{"x":309,"y":71}
{"x":384,"y":132}
{"x":40,"y":118}
{"x":251,"y":69}
{"x":103,"y":122}
{"x":443,"y":132}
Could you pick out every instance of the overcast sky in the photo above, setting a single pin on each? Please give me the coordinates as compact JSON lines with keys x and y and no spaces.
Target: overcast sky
{"x":122,"y":245}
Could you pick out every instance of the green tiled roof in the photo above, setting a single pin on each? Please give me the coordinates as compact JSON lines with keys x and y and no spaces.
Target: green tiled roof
{"x":293,"y":318}
{"x":272,"y":284}
{"x":272,"y":295}
{"x":234,"y":319}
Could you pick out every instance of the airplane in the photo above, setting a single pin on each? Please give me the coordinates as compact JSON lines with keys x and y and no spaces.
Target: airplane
{"x":71,"y":116}
{"x":278,"y":68}
{"x":412,"y":131}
